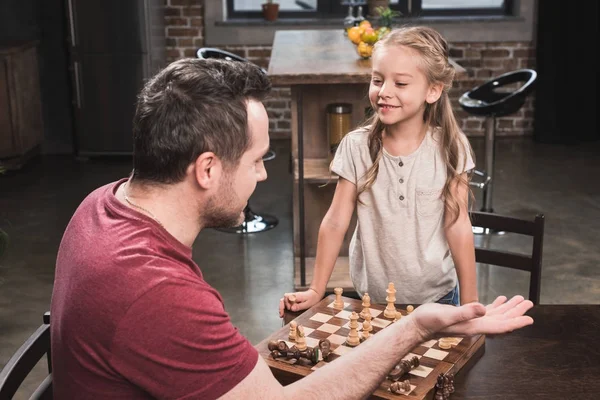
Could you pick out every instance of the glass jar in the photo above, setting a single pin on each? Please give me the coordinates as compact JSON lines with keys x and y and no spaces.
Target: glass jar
{"x":339,"y":120}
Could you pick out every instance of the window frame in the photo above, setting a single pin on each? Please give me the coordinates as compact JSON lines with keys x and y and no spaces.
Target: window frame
{"x":335,"y":9}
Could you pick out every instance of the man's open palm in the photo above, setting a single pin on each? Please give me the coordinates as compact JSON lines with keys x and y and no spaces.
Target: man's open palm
{"x":501,"y":316}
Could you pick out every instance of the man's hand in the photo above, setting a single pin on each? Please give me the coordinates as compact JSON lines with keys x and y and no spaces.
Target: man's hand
{"x":304,"y":300}
{"x":471,"y":319}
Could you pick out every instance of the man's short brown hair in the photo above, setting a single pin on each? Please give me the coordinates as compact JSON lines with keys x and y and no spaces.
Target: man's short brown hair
{"x":191,"y":107}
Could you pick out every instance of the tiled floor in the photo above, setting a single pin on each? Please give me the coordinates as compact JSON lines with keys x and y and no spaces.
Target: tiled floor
{"x":252,"y":272}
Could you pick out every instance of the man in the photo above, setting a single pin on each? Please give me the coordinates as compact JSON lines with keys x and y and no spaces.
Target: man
{"x":132,"y":317}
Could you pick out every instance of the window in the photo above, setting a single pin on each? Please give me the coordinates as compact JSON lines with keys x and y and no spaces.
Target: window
{"x":339,"y":8}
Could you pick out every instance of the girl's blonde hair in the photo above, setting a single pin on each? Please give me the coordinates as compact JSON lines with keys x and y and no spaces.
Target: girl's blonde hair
{"x":433,"y":49}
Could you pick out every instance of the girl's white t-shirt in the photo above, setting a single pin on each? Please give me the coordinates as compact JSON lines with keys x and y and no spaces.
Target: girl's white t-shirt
{"x":399,"y":235}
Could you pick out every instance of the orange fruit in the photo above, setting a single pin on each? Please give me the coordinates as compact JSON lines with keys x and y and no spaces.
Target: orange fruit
{"x":364,"y":49}
{"x":354,"y":34}
{"x":369,"y":36}
{"x":364,"y":24}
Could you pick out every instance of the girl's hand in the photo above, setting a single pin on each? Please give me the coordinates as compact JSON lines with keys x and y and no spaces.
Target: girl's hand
{"x":303,"y":301}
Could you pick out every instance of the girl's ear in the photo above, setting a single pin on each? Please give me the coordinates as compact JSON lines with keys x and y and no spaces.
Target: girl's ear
{"x":434,"y":92}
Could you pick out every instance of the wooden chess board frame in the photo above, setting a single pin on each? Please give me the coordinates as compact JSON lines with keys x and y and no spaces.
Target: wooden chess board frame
{"x":322,"y":318}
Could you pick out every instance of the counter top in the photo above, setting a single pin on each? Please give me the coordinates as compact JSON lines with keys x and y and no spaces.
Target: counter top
{"x":320,"y":56}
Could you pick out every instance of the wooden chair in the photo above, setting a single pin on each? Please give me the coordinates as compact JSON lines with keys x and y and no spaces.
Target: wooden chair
{"x":532,"y":264}
{"x":24,"y":360}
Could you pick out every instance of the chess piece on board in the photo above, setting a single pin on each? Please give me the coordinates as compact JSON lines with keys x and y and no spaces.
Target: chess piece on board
{"x":366,"y":306}
{"x":300,"y":338}
{"x":338,"y":303}
{"x":281,"y":350}
{"x":325,"y":346}
{"x":369,"y":326}
{"x":397,"y":316}
{"x":353,"y":339}
{"x":403,"y":368}
{"x":293,"y":331}
{"x":400,"y":387}
{"x":409,"y":309}
{"x":366,"y":330}
{"x":390,"y":309}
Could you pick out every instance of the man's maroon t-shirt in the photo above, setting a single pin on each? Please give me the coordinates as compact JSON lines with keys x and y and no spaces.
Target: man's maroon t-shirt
{"x":131,"y":315}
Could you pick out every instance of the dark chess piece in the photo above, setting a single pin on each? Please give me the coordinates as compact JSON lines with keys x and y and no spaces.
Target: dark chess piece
{"x":439,"y":388}
{"x":402,"y":368}
{"x":446,"y":389}
{"x":281,"y":350}
{"x":325,"y":346}
{"x":450,"y":383}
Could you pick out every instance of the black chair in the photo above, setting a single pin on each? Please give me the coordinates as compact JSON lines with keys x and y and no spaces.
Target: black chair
{"x":24,"y":360}
{"x":531,"y":263}
{"x":497,"y":97}
{"x":253,"y":222}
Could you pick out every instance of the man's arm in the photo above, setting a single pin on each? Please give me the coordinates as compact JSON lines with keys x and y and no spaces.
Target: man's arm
{"x":357,"y":374}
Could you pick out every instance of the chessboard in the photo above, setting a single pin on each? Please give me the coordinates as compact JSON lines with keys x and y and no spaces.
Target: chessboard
{"x":323,"y":321}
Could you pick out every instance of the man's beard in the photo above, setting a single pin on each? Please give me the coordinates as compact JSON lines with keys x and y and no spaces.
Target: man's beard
{"x":221,"y":210}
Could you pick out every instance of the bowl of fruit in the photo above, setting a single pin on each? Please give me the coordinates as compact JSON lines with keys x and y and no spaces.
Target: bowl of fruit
{"x":364,"y":36}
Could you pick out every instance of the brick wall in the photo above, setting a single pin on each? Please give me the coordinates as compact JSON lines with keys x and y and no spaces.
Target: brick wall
{"x":184,"y":25}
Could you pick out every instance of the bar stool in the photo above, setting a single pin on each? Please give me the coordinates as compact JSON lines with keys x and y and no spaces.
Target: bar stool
{"x":253,"y":222}
{"x":498,"y":97}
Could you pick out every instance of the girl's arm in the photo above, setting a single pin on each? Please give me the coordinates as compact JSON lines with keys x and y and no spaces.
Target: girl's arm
{"x":460,"y":240}
{"x":331,"y":236}
{"x":331,"y":233}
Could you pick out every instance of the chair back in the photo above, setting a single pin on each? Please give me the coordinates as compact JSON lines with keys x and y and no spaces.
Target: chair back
{"x":531,"y":263}
{"x":24,"y":360}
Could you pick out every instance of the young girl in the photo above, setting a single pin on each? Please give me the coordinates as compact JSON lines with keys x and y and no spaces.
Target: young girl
{"x":406,"y":170}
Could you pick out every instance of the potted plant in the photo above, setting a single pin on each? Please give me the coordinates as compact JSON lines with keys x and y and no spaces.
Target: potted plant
{"x":270,"y":10}
{"x":375,"y":6}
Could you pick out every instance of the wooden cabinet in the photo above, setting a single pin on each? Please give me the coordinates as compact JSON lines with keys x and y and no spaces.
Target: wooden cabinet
{"x":321,"y":67}
{"x":21,"y":126}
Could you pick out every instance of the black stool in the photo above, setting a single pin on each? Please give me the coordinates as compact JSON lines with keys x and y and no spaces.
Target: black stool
{"x":496,"y":98}
{"x":253,"y":222}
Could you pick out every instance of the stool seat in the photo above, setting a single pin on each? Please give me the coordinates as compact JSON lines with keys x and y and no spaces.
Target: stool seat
{"x":496,"y":98}
{"x":205,"y":53}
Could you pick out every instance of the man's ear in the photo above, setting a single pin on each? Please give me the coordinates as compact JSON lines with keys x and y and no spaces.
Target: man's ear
{"x":207,"y":170}
{"x":434,"y":92}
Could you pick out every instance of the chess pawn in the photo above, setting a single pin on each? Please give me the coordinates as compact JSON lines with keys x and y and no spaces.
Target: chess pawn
{"x":368,"y":327}
{"x":366,"y":306}
{"x":409,"y":309}
{"x":300,"y":339}
{"x":293,"y":327}
{"x":390,"y":309}
{"x":366,"y":330}
{"x":353,"y":339}
{"x":398,"y":316}
{"x":338,"y":303}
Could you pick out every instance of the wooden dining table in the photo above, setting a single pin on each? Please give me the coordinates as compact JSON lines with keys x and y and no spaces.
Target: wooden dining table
{"x":558,"y":357}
